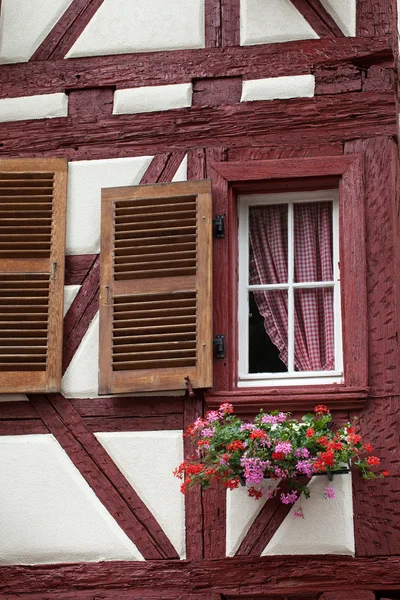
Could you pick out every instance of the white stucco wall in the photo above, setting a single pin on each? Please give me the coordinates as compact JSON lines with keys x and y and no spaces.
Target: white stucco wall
{"x":44,"y":106}
{"x":48,"y":513}
{"x":147,"y":460}
{"x":24,"y":24}
{"x":278,"y":88}
{"x":82,"y":376}
{"x":344,"y":13}
{"x":152,"y":98}
{"x":70,"y":293}
{"x":85,"y":180}
{"x":123,"y":26}
{"x":264,"y":22}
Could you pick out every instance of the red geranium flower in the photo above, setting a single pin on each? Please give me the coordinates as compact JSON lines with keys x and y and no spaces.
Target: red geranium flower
{"x":321,"y":409}
{"x":258,"y":433}
{"x":367,"y":448}
{"x":323,"y":440}
{"x":386,"y":473}
{"x":373,"y":461}
{"x":235,"y":445}
{"x":310,"y":432}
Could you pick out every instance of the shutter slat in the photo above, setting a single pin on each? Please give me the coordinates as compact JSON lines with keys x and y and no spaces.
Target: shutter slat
{"x":158,"y":273}
{"x":32,"y":238}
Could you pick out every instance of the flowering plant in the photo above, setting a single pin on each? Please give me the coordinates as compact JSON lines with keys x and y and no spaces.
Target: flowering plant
{"x":274,"y":446}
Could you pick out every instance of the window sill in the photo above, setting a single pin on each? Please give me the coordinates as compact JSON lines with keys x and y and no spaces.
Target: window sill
{"x":247,"y":400}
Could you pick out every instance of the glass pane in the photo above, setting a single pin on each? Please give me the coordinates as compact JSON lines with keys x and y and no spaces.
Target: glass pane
{"x":268,"y":244}
{"x":313,"y":242}
{"x":314,"y":330}
{"x":268,"y":331}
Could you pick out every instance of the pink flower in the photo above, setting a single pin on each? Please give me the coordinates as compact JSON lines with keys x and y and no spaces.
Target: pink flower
{"x":247,"y":427}
{"x":269,"y":419}
{"x":289,"y":498}
{"x":281,"y":418}
{"x":329,"y":493}
{"x":298,"y":513}
{"x":284,"y":447}
{"x":208,"y":432}
{"x":301,"y":453}
{"x":212,"y":416}
{"x":305,"y":467}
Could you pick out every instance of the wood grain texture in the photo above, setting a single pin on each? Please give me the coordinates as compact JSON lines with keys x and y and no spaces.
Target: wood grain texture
{"x":90,"y":105}
{"x":193,"y":408}
{"x":22,"y":427}
{"x":337,"y":79}
{"x":266,"y":524}
{"x":230,"y":14}
{"x":243,"y":577}
{"x":376,"y":17}
{"x":214,"y":521}
{"x":380,"y":157}
{"x":120,"y":407}
{"x":272,"y":152}
{"x":212,"y":25}
{"x":158,"y":68}
{"x":318,"y":18}
{"x":217,"y":90}
{"x":81,"y":313}
{"x":77,"y":268}
{"x":163,"y":422}
{"x":103,"y":476}
{"x":323,"y":118}
{"x":67,"y":30}
{"x":349,"y":595}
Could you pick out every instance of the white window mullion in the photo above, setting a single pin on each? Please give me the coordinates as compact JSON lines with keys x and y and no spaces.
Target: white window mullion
{"x":336,"y":290}
{"x":290,"y":290}
{"x":243,"y":285}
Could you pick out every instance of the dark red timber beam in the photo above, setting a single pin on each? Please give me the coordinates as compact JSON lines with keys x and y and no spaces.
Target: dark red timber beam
{"x":77,"y":268}
{"x":377,"y":17}
{"x":241,"y":578}
{"x":103,"y":476}
{"x":67,"y":30}
{"x":181,"y":66}
{"x":318,"y":18}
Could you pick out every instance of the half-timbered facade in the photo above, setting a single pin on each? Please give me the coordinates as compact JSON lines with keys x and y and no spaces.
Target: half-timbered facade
{"x":140,"y":143}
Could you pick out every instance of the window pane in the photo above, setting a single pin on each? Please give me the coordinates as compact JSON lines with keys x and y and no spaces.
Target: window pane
{"x":268,"y":244}
{"x":314,"y":330}
{"x":268,"y":326}
{"x":313,"y":242}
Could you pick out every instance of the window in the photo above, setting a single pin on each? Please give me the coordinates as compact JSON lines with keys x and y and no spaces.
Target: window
{"x":289,"y":325}
{"x":248,"y":189}
{"x":32,"y":249}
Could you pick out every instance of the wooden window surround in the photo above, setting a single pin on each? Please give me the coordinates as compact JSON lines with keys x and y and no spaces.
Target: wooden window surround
{"x":344,"y":173}
{"x":32,"y":256}
{"x":155,"y":287}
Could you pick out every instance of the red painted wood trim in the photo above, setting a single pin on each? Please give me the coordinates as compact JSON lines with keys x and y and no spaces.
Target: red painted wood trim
{"x":163,"y":422}
{"x":171,"y":167}
{"x":272,"y":152}
{"x":157,"y":68}
{"x":193,"y":408}
{"x":137,"y":407}
{"x":230,"y":10}
{"x":359,"y":115}
{"x":155,"y":169}
{"x":196,"y":164}
{"x":318,"y":18}
{"x":349,"y":595}
{"x":278,"y":169}
{"x":23,"y":427}
{"x":81,"y":313}
{"x":214,"y":521}
{"x":103,"y":476}
{"x":67,"y":30}
{"x":266,"y":524}
{"x":242,"y":576}
{"x":77,"y":268}
{"x":17,"y":410}
{"x":212,"y":18}
{"x":376,"y":17}
{"x":132,"y":594}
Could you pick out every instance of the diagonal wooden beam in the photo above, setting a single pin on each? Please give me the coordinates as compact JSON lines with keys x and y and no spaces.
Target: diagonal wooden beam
{"x":103,"y":476}
{"x":318,"y":18}
{"x":266,"y":524}
{"x":77,"y":268}
{"x":67,"y":30}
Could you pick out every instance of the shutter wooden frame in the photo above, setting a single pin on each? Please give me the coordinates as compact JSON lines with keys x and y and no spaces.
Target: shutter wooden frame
{"x":49,"y":265}
{"x":112,"y":289}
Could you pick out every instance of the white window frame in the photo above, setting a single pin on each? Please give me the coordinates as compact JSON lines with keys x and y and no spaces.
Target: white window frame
{"x":246,"y":379}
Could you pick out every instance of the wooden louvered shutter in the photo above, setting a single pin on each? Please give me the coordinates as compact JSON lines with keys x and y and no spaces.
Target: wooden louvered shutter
{"x":32,"y":246}
{"x":155,"y":287}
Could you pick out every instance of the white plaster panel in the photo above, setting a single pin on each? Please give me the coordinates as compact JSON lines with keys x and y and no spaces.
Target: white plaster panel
{"x":181,"y":173}
{"x":24,"y":24}
{"x":152,"y":98}
{"x":270,"y":21}
{"x":13,"y":398}
{"x":85,"y":180}
{"x":327,"y":527}
{"x":81,"y":378}
{"x":123,"y":26}
{"x":344,"y":13}
{"x":44,"y":106}
{"x":147,"y":459}
{"x":70,"y":293}
{"x":241,"y":511}
{"x":273,"y":88}
{"x":48,"y":513}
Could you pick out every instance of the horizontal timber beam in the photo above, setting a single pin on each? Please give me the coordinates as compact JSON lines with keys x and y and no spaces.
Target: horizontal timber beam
{"x":327,"y":118}
{"x":177,"y":66}
{"x":242,"y":576}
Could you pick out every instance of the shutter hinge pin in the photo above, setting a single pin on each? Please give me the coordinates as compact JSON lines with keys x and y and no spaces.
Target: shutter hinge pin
{"x":219,"y":226}
{"x":107,"y":294}
{"x":219,"y":342}
{"x":54,"y":271}
{"x":189,"y":386}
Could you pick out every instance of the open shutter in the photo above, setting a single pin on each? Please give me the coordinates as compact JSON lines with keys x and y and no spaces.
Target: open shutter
{"x":32,"y":246}
{"x":155,"y":287}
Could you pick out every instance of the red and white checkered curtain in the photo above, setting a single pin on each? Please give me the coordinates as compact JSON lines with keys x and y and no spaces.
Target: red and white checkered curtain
{"x":313,"y":308}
